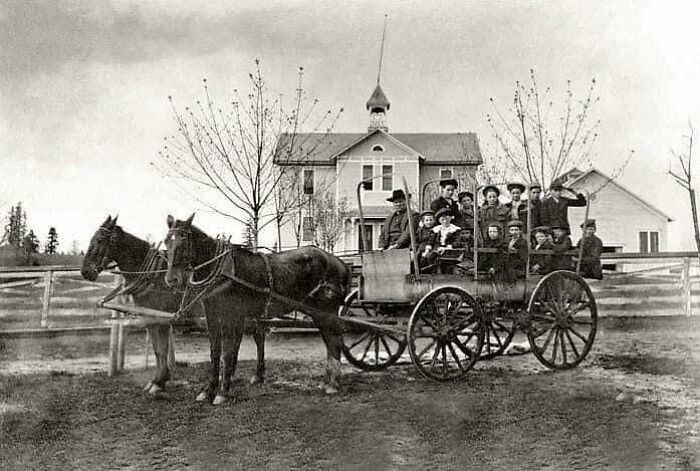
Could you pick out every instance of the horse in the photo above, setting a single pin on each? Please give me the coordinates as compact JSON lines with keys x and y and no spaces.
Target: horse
{"x":111,"y":243}
{"x":258,"y":286}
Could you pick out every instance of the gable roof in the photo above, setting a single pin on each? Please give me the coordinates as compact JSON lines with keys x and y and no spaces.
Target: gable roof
{"x":611,"y":181}
{"x":433,"y":149}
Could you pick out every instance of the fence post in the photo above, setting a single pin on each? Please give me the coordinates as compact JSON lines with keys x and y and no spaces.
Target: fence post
{"x":46,"y":304}
{"x":685,"y":287}
{"x":114,"y":339}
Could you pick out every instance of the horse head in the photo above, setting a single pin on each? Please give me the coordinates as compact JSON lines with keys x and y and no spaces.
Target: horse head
{"x":101,"y":251}
{"x":179,"y":244}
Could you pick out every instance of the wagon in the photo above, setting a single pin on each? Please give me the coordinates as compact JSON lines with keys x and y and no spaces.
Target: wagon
{"x":448,"y":322}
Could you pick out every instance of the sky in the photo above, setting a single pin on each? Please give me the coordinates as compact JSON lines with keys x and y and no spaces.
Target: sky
{"x":84,"y":87}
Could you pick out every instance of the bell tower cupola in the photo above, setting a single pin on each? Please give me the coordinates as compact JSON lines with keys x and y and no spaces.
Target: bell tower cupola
{"x":378,"y":104}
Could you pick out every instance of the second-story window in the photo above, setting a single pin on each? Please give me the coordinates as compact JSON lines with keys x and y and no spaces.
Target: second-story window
{"x":368,"y":172}
{"x":445,"y":173}
{"x":308,"y":182}
{"x":387,"y":177}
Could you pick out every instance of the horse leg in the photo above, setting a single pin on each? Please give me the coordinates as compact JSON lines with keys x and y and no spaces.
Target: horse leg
{"x":259,"y":337}
{"x":333,"y":340}
{"x":214,"y":326}
{"x":231,"y":335}
{"x":160,"y":337}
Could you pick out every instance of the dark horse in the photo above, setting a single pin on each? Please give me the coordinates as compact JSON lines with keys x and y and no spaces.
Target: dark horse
{"x":307,"y":275}
{"x":111,"y":243}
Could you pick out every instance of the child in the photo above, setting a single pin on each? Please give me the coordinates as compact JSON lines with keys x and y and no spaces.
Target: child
{"x":492,"y":261}
{"x":592,"y":248}
{"x":446,"y":236}
{"x":561,"y":243}
{"x":424,"y":239}
{"x":541,"y":263}
{"x":465,"y":218}
{"x":492,"y":212}
{"x":517,"y":250}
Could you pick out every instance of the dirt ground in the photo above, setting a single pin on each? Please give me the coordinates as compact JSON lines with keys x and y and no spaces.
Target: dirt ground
{"x":634,"y":404}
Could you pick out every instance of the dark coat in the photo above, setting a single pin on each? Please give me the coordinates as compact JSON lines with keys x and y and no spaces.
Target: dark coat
{"x":535,"y":211}
{"x":556,"y":212}
{"x":496,"y":260}
{"x":465,"y":220}
{"x":561,"y":260}
{"x":492,"y":214}
{"x":396,"y":231}
{"x":517,"y":257}
{"x":424,"y":238}
{"x":590,"y":258}
{"x":438,"y":203}
{"x":543,"y":260}
{"x":452,"y":239}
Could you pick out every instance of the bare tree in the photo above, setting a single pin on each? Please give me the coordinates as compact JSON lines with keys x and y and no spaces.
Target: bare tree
{"x":684,"y":178}
{"x":328,"y":217}
{"x":536,"y":140}
{"x":233,"y":159}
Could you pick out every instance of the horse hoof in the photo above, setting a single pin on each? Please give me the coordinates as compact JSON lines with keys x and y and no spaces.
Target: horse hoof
{"x":148,"y":386}
{"x":219,"y":399}
{"x":155,"y":390}
{"x":331,"y":390}
{"x":202,"y":397}
{"x":255,"y":379}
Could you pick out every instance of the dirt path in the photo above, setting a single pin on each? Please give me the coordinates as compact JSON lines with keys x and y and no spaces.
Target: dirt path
{"x":635,"y":404}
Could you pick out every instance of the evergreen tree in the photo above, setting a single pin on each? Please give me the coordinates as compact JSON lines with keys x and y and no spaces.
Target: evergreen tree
{"x":16,"y":226}
{"x":51,"y":241}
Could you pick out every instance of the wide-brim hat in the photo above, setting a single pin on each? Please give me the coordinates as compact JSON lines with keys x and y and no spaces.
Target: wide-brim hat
{"x":543,"y":229}
{"x":427,"y":213}
{"x":588,"y":222}
{"x":448,"y":181}
{"x":465,"y":193}
{"x":397,"y":195}
{"x":518,"y":185}
{"x":515,"y":223}
{"x":534,"y":185}
{"x":488,"y":188}
{"x":443,"y":212}
{"x":557,"y":226}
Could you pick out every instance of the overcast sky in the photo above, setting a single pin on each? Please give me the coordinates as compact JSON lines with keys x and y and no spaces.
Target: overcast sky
{"x":84,"y":86}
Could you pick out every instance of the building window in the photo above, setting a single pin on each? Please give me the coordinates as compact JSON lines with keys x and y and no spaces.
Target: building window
{"x":307,"y":230}
{"x":387,"y":177}
{"x":648,"y":241}
{"x":308,"y":182}
{"x":445,"y":173}
{"x":368,"y":172}
{"x":377,"y":148}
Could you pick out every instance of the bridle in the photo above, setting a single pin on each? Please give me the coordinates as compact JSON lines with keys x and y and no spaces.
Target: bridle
{"x":186,"y":234}
{"x":106,"y":257}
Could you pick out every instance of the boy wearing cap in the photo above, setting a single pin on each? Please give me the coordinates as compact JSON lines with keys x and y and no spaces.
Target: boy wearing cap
{"x":541,"y":263}
{"x":492,"y":261}
{"x":561,"y":243}
{"x":534,"y":192}
{"x":447,"y":190}
{"x":517,"y":250}
{"x":425,"y":239}
{"x":492,"y":211}
{"x":396,"y":233}
{"x":554,"y":210}
{"x":592,"y":248}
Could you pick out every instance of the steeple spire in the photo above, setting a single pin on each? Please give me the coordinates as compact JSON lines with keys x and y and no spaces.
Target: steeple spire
{"x":378,"y":104}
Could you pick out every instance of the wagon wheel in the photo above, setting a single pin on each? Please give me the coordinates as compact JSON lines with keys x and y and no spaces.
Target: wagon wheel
{"x":563,"y":318}
{"x":445,"y":334}
{"x":499,"y":332}
{"x":367,"y":349}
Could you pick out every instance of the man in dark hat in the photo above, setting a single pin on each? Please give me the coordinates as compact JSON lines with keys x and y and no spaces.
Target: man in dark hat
{"x":492,"y":211}
{"x":517,"y":207}
{"x":533,"y":198}
{"x":592,"y":248}
{"x":448,"y":187}
{"x":555,"y":208}
{"x":396,"y":233}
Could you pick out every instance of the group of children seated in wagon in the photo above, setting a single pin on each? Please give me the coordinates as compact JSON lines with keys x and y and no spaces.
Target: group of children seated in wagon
{"x":445,"y":233}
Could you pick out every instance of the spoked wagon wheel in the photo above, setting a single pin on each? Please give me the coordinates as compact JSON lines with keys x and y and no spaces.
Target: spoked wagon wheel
{"x":445,"y":334}
{"x":369,"y":349}
{"x":498,"y":333}
{"x":563,"y":319}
